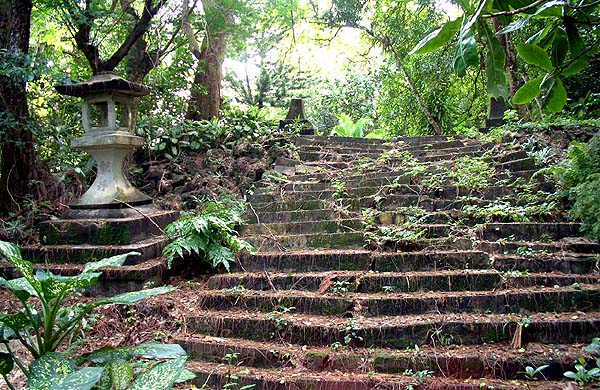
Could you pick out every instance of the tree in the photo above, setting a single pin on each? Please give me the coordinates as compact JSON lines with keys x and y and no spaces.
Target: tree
{"x":392,"y":25}
{"x":560,"y":48}
{"x":205,"y":96}
{"x":17,"y":156}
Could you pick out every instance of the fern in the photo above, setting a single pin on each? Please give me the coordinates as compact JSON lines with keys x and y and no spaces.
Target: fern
{"x":209,"y":236}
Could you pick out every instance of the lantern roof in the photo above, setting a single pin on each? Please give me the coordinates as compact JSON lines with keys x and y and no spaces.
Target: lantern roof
{"x":103,"y":82}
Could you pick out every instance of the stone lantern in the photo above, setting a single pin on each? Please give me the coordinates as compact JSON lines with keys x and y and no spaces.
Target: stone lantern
{"x":108,"y":116}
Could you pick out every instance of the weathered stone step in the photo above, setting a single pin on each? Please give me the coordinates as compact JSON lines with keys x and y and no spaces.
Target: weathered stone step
{"x":114,"y":280}
{"x":530,"y":231}
{"x":436,"y":152}
{"x":392,"y":282}
{"x":465,"y":361}
{"x":446,"y":192}
{"x":569,"y":263}
{"x":332,"y":140}
{"x":532,"y":299}
{"x":511,"y":161}
{"x":398,"y":331}
{"x":528,"y":248}
{"x":356,"y":260}
{"x":389,"y":176}
{"x":308,"y":227}
{"x":78,"y":254}
{"x":213,"y":375}
{"x":291,"y":216}
{"x":314,"y":240}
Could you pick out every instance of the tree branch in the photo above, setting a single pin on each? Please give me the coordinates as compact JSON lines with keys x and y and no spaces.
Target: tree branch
{"x":516,"y":11}
{"x":138,"y":30}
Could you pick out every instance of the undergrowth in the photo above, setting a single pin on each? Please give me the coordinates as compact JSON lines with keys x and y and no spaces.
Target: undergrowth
{"x":208,"y":235}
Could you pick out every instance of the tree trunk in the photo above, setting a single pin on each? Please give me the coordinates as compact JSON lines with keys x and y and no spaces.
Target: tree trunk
{"x":17,"y":154}
{"x":205,"y":99}
{"x":511,"y":66}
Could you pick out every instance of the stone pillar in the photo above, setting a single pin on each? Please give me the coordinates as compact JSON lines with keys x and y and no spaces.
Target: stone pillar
{"x":296,"y":115}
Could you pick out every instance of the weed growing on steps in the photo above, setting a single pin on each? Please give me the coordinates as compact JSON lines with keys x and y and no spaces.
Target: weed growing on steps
{"x":340,"y":287}
{"x":231,"y":359}
{"x":278,"y":320}
{"x":587,"y":370}
{"x":382,"y":236}
{"x":531,"y":373}
{"x":472,"y":172}
{"x":351,"y":333}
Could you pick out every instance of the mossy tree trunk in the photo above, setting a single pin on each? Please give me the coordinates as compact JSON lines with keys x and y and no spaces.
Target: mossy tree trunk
{"x":17,"y":154}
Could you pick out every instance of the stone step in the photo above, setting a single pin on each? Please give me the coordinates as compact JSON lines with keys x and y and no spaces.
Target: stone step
{"x":291,"y":216}
{"x":435,"y":153}
{"x":395,"y":189}
{"x":114,"y":280}
{"x":332,"y":140}
{"x":569,"y":263}
{"x":392,"y":282}
{"x":533,"y":299}
{"x":78,"y":254}
{"x":389,"y":176}
{"x":530,"y":249}
{"x":107,"y":231}
{"x":511,"y":161}
{"x":309,"y":227}
{"x":355,"y":260}
{"x":452,"y":361}
{"x":218,"y":376}
{"x":398,"y":331}
{"x":267,"y":242}
{"x":530,"y":231}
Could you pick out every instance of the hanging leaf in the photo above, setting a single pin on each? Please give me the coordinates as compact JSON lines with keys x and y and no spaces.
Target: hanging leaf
{"x":528,"y":91}
{"x":494,"y":66}
{"x":466,"y":52}
{"x":575,"y":67}
{"x":534,"y":55}
{"x":576,"y":44}
{"x":520,"y":23}
{"x":557,"y":98}
{"x":437,"y":38}
{"x":560,"y":47}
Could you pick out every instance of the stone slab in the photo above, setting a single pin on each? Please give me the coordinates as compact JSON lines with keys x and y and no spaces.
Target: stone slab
{"x":106,"y":231}
{"x":79,"y":254}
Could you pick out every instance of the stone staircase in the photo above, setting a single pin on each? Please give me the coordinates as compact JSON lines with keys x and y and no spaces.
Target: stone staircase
{"x":445,"y":291}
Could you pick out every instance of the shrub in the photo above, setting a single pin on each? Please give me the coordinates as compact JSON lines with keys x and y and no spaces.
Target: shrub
{"x":48,"y":321}
{"x":586,"y":206}
{"x":209,"y":235}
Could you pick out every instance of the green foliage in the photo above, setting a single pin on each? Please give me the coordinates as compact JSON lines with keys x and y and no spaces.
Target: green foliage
{"x":583,"y":375}
{"x":45,"y":321}
{"x":560,"y":46}
{"x":171,"y":137}
{"x":346,"y":127}
{"x":587,"y":205}
{"x":210,"y":236}
{"x":531,"y":372}
{"x":472,"y":172}
{"x":579,"y":177}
